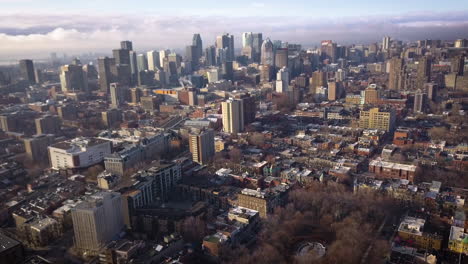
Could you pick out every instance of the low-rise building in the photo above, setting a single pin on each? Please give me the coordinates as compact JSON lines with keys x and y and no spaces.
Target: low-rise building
{"x":458,"y":240}
{"x":392,"y":170}
{"x":413,"y":230}
{"x":11,"y":251}
{"x":107,"y":180}
{"x":262,"y":201}
{"x":78,"y":153}
{"x":119,"y":162}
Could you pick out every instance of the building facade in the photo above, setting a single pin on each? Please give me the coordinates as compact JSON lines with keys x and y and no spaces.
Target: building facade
{"x":78,"y":153}
{"x":233,"y":116}
{"x":96,"y":221}
{"x":375,"y":119}
{"x":202,"y":146}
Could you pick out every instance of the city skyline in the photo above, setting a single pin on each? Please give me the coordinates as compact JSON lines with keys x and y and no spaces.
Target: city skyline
{"x":74,"y":29}
{"x":240,"y":132}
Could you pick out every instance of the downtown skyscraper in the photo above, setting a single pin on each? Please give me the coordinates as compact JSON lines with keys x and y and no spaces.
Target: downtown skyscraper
{"x":396,"y":74}
{"x":253,"y":42}
{"x":27,"y":70}
{"x":198,"y":44}
{"x":267,"y":53}
{"x":226,"y":42}
{"x":107,"y":73}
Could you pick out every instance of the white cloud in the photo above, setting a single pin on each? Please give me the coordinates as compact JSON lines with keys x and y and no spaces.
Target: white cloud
{"x":36,"y":36}
{"x":258,"y":5}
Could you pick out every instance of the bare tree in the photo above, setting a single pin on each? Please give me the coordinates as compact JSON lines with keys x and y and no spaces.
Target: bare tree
{"x":235,"y":155}
{"x":257,"y":139}
{"x":193,"y":229}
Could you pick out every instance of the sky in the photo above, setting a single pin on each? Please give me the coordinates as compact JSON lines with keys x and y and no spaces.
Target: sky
{"x":34,"y":28}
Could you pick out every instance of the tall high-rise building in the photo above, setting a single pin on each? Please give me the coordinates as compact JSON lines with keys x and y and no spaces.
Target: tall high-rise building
{"x":424,"y":71}
{"x":27,"y":70}
{"x":117,"y":94}
{"x":142,"y":63}
{"x":126,"y":45}
{"x":419,"y":102}
{"x":121,"y":56}
{"x":252,"y":45}
{"x":107,"y":72}
{"x":257,"y":41}
{"x":160,"y":76}
{"x":197,"y":42}
{"x":162,"y":55}
{"x":396,"y":80}
{"x":91,"y":71}
{"x":282,"y":80}
{"x":36,"y":146}
{"x":458,"y":65}
{"x":431,"y":90}
{"x":334,"y":90}
{"x":233,"y":116}
{"x":221,"y":56}
{"x":38,"y":76}
{"x":318,"y":79}
{"x":385,"y":43}
{"x":267,"y":53}
{"x":328,"y":50}
{"x":202,"y":146}
{"x":176,"y":58}
{"x":247,"y":39}
{"x":461,"y":43}
{"x":73,"y":78}
{"x":153,"y":60}
{"x":281,"y":58}
{"x":48,"y":124}
{"x":123,"y":74}
{"x":375,"y":119}
{"x":227,"y":70}
{"x":96,"y":221}
{"x":133,"y":66}
{"x":226,"y":41}
{"x":210,"y":55}
{"x":250,"y":108}
{"x":191,"y":56}
{"x":135,"y":94}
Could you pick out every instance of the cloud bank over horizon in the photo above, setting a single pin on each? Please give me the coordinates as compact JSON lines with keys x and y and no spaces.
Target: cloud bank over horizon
{"x":35,"y":36}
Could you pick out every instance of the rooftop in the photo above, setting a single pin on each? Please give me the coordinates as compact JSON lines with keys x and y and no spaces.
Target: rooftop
{"x":7,"y":243}
{"x":78,"y":144}
{"x":392,"y":165}
{"x":412,"y":225}
{"x":243,"y":212}
{"x":458,"y":234}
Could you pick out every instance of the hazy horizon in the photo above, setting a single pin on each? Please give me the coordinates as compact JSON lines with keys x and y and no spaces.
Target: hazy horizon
{"x":29,"y":29}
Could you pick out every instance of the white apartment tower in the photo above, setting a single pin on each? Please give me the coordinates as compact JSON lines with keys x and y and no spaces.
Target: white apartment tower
{"x":233,"y":116}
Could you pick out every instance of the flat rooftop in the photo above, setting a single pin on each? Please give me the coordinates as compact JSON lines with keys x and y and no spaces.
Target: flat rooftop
{"x":412,"y":225}
{"x":77,"y":144}
{"x":6,"y":243}
{"x":392,"y":165}
{"x":458,"y":234}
